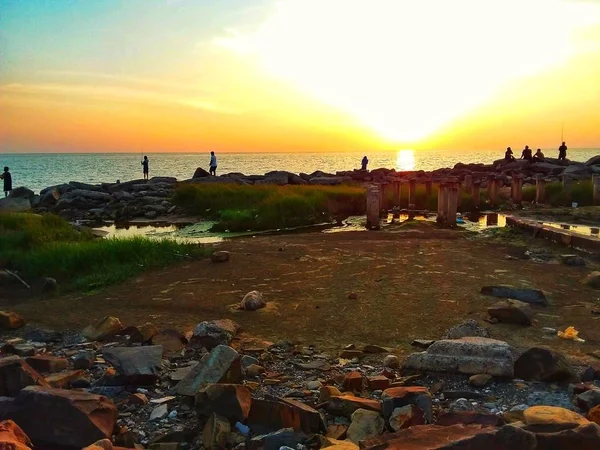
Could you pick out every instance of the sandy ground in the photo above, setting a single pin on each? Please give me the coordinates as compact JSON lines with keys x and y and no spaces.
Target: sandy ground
{"x":414,"y":282}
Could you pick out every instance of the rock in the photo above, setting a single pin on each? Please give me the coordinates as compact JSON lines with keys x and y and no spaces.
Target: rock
{"x":594,"y":415}
{"x":216,"y":432}
{"x":391,"y":361}
{"x":10,"y":320}
{"x":148,"y":331}
{"x":378,"y":383}
{"x":313,"y":385}
{"x":220,"y":364}
{"x":22,"y":192}
{"x":365,"y":424}
{"x":220,"y":256}
{"x":172,"y":341}
{"x":351,"y":354}
{"x":397,"y":397}
{"x":480,"y":380}
{"x":549,"y":331}
{"x":254,"y":370}
{"x":252,"y":301}
{"x":353,"y":382}
{"x":12,"y":437}
{"x":84,"y":360}
{"x":200,"y":173}
{"x":231,"y":401}
{"x":47,"y":363}
{"x":90,"y":195}
{"x":585,"y":437}
{"x":468,"y":355}
{"x":67,"y":379}
{"x":511,"y":311}
{"x":540,"y":364}
{"x":135,"y":365}
{"x":159,"y":412}
{"x":215,"y":332}
{"x":553,"y":418}
{"x":469,"y":328}
{"x":572,"y":260}
{"x":326,"y":392}
{"x":49,"y":285}
{"x":103,"y":329}
{"x":14,"y":204}
{"x":346,"y":404}
{"x":468,"y":417}
{"x":375,"y":349}
{"x":16,"y":374}
{"x":59,"y":418}
{"x":406,"y":416}
{"x":274,"y":414}
{"x":41,"y":335}
{"x":138,"y":399}
{"x":461,"y":405}
{"x":102,"y":444}
{"x":532,"y":296}
{"x":588,"y":399}
{"x":592,"y":280}
{"x":248,"y":361}
{"x":422,"y":343}
{"x":325,"y":181}
{"x":352,"y":296}
{"x":278,"y":440}
{"x":317,"y":364}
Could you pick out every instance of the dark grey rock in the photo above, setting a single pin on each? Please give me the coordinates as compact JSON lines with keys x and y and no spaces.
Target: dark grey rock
{"x":532,"y":296}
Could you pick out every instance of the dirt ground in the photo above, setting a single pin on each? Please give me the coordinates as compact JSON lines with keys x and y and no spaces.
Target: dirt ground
{"x":414,"y":282}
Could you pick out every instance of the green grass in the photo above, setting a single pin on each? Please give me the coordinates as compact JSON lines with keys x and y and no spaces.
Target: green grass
{"x":265,"y":207}
{"x":581,"y":193}
{"x":46,"y":246}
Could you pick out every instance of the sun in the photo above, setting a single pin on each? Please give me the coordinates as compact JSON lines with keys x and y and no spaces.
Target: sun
{"x":406,"y":68}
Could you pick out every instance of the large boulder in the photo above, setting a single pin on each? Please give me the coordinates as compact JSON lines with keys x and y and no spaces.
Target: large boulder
{"x":209,"y":334}
{"x":552,"y":418}
{"x":16,"y":374}
{"x":468,"y":328}
{"x":365,"y":424}
{"x":468,"y":355}
{"x":22,"y":192}
{"x":532,"y":296}
{"x":511,"y":311}
{"x":90,"y":195}
{"x":540,"y":364}
{"x":14,"y":204}
{"x":221,"y":364}
{"x":12,"y":437}
{"x":135,"y":365}
{"x":57,"y":418}
{"x":273,"y":413}
{"x":588,"y":399}
{"x":200,"y":173}
{"x":103,"y":329}
{"x":231,"y":401}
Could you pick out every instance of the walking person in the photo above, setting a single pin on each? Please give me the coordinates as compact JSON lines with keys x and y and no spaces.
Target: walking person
{"x":145,"y":167}
{"x":7,"y":177}
{"x":562,"y":152}
{"x":364,"y":163}
{"x":213,"y":164}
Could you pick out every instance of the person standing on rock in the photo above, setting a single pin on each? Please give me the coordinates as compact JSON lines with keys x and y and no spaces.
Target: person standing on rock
{"x":145,"y":167}
{"x":364,"y":163}
{"x":562,"y":152}
{"x":7,"y":177}
{"x":213,"y":164}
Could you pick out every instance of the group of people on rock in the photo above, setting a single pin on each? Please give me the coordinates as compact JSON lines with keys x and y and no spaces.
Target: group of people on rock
{"x":212,"y":165}
{"x":527,"y":154}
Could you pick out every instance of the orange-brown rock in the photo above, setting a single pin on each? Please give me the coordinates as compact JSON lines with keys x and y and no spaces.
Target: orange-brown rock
{"x":378,"y":383}
{"x":594,"y":414}
{"x":552,"y":418}
{"x":346,"y":404}
{"x":270,"y":415}
{"x":353,"y":382}
{"x":12,"y":437}
{"x":16,"y":374}
{"x":467,"y":418}
{"x":10,"y":320}
{"x":231,"y":401}
{"x":327,"y":392}
{"x":47,"y":363}
{"x":64,"y":379}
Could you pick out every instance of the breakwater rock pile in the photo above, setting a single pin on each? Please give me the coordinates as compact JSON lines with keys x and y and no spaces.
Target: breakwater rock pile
{"x":111,"y":386}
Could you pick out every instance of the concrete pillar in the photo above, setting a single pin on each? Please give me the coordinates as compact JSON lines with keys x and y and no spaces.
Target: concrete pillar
{"x":428,"y":185}
{"x":397,"y":186}
{"x":596,"y":188}
{"x":373,"y":207}
{"x":468,"y":183}
{"x":412,"y":186}
{"x":493,"y":190}
{"x":442,"y":208}
{"x":385,"y":189}
{"x":452,"y":204}
{"x":476,"y":194}
{"x":540,"y":189}
{"x":567,"y":188}
{"x":517,"y":189}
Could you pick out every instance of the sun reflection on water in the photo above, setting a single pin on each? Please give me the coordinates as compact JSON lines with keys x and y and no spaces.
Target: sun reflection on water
{"x":405,"y":160}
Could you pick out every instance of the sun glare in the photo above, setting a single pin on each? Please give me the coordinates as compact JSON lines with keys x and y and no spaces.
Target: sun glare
{"x":406,"y":68}
{"x":405,"y":160}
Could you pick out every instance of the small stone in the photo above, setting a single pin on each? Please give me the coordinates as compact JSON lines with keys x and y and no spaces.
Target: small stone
{"x":351,"y":353}
{"x":572,"y":260}
{"x":248,"y":361}
{"x":254,"y":370}
{"x":511,"y":311}
{"x":327,"y":392}
{"x":84,"y":360}
{"x":353,"y":382}
{"x":138,"y":399}
{"x":103,"y":329}
{"x":549,"y":331}
{"x":10,"y":320}
{"x":375,"y":349}
{"x":220,"y":256}
{"x":588,"y":399}
{"x":66,"y":379}
{"x":378,"y":383}
{"x":365,"y":424}
{"x":592,"y":280}
{"x":352,"y":296}
{"x":422,"y":343}
{"x":159,"y":412}
{"x":50,"y":285}
{"x":406,"y":416}
{"x":594,"y":414}
{"x":215,"y":433}
{"x":313,"y":385}
{"x":480,"y":380}
{"x":468,"y":328}
{"x":391,"y":361}
{"x":252,"y":301}
{"x":462,"y":404}
{"x":47,"y":363}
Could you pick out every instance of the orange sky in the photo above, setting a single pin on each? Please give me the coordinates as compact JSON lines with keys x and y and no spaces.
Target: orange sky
{"x":298,"y":75}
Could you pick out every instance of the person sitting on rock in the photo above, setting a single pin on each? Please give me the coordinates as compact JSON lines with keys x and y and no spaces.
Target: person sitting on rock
{"x":7,"y":177}
{"x":145,"y":167}
{"x":539,"y":156}
{"x":562,"y":152}
{"x":527,"y":153}
{"x":364,"y":163}
{"x":508,"y":155}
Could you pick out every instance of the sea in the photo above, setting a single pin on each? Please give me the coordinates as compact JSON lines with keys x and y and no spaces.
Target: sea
{"x":40,"y":170}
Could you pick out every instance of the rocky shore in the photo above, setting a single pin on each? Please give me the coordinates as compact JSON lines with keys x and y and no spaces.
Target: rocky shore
{"x":151,"y":199}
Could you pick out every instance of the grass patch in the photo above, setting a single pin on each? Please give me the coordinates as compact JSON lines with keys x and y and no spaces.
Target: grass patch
{"x":38,"y":246}
{"x":264,"y":207}
{"x":581,"y":193}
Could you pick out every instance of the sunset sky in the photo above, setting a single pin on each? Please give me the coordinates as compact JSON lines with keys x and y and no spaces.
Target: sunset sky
{"x":297,"y":75}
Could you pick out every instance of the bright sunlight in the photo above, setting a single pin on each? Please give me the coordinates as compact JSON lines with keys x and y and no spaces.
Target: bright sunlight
{"x":407,"y":68}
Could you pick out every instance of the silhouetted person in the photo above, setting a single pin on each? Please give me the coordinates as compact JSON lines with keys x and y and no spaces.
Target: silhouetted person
{"x":539,"y":156}
{"x":364,"y":163}
{"x":145,"y":167}
{"x":7,"y":177}
{"x":526,"y":153}
{"x":508,"y":155}
{"x":213,"y":164}
{"x":562,"y":152}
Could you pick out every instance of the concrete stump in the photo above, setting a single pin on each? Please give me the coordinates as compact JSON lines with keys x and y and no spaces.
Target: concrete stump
{"x":567,"y":188}
{"x":385,"y":189}
{"x":468,"y":183}
{"x":412,"y":186}
{"x":517,"y":189}
{"x":373,"y":207}
{"x":397,"y":186}
{"x":428,"y":185}
{"x":476,"y":194}
{"x":442,"y":202}
{"x":596,"y":188}
{"x":493,"y":190}
{"x":540,"y":189}
{"x":452,"y":204}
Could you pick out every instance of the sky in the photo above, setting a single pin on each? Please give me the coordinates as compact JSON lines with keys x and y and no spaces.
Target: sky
{"x":297,"y":75}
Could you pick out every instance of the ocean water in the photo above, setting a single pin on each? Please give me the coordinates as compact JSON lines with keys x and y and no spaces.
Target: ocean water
{"x":41,"y":170}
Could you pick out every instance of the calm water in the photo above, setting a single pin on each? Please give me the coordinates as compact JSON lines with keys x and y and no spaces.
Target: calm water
{"x":38,"y":171}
